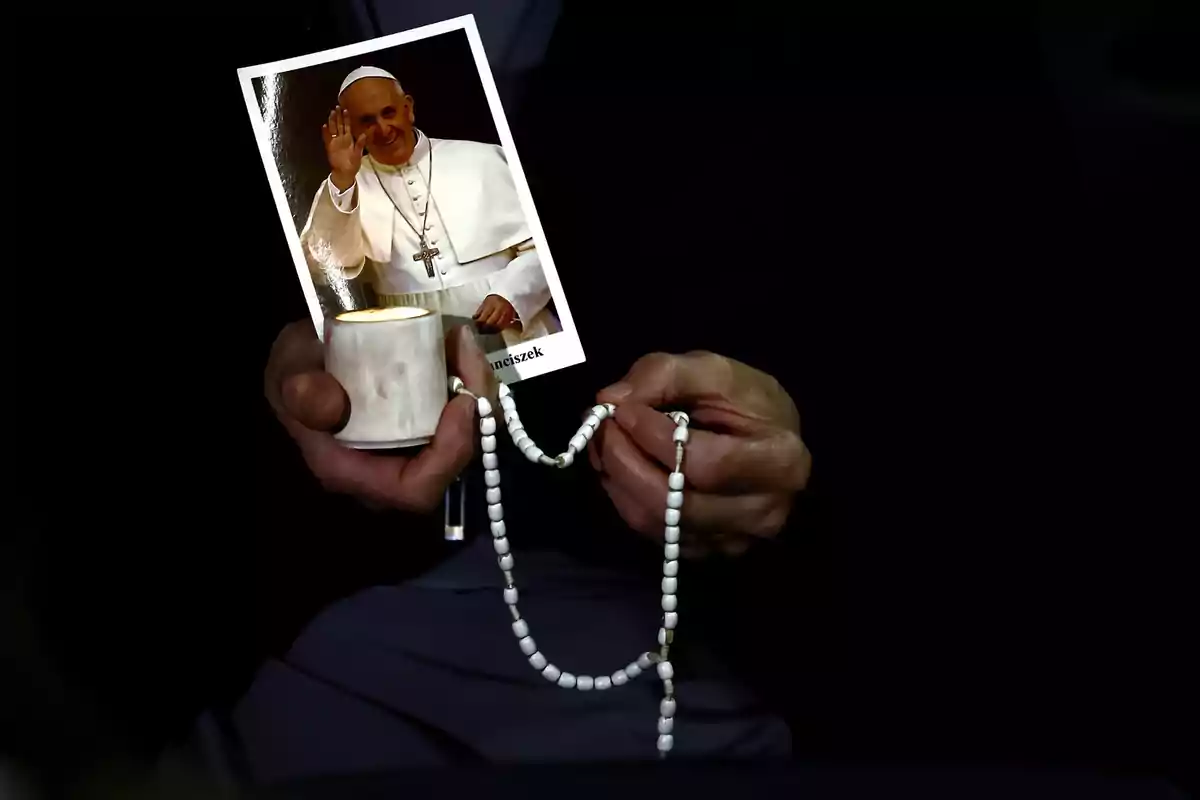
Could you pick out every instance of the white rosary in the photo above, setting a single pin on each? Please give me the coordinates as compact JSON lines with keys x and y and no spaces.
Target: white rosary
{"x":666,"y":633}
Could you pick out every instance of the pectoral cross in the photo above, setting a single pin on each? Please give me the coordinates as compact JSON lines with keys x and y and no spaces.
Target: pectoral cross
{"x":426,"y":254}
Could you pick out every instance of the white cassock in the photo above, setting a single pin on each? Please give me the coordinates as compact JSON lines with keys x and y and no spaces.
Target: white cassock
{"x":473,"y":219}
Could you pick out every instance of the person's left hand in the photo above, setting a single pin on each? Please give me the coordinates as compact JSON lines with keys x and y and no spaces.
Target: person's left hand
{"x":743,"y":463}
{"x":495,"y":314}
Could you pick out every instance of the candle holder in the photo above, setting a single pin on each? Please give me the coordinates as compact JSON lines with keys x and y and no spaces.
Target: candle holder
{"x":392,"y":364}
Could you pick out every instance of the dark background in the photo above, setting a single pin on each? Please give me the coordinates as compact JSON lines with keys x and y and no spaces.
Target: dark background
{"x":961,"y":248}
{"x":440,"y":74}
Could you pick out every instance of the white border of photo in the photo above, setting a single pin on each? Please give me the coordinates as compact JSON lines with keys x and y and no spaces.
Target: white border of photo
{"x":513,"y":364}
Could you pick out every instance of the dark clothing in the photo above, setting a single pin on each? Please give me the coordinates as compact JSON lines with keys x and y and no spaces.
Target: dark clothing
{"x":429,"y":674}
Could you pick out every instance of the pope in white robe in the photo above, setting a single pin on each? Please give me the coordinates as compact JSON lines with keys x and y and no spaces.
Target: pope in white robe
{"x":434,"y":223}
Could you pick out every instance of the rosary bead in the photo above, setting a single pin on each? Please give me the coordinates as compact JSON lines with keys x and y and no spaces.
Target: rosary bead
{"x":633,"y":670}
{"x":599,"y":412}
{"x":491,"y":477}
{"x":488,"y":444}
{"x":666,"y":742}
{"x":510,"y":593}
{"x":551,"y":673}
{"x":534,"y":453}
{"x":668,"y":687}
{"x":498,"y":529}
{"x":514,"y":424}
{"x":645,"y":661}
{"x":537,"y":661}
{"x":487,"y":426}
{"x":586,"y":432}
{"x":566,"y":459}
{"x":666,"y":707}
{"x":603,"y":682}
{"x":506,"y":560}
{"x":670,"y":534}
{"x":672,"y":516}
{"x":670,"y":568}
{"x":669,"y":585}
{"x":527,"y":645}
{"x":504,"y":391}
{"x":521,"y":628}
{"x":675,"y":481}
{"x":680,"y":435}
{"x":578,"y":443}
{"x":591,"y":421}
{"x":496,"y":512}
{"x":666,"y":725}
{"x":514,"y":612}
{"x":456,"y":384}
{"x":670,"y":620}
{"x":671,"y":551}
{"x":501,"y":545}
{"x":665,"y":670}
{"x":566,"y":680}
{"x":584,"y":683}
{"x":611,"y":408}
{"x":492,"y":495}
{"x":508,"y":579}
{"x":674,"y":499}
{"x":620,"y":678}
{"x":662,"y":636}
{"x":669,"y":603}
{"x":490,"y":461}
{"x":484,"y":406}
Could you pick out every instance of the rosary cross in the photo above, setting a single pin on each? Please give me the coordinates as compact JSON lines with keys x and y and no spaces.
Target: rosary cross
{"x":426,"y":254}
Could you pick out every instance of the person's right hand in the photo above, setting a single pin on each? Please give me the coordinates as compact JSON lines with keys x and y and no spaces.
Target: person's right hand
{"x":343,"y":151}
{"x":312,"y":405}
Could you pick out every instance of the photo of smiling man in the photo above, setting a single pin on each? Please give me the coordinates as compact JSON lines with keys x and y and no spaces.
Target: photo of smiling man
{"x":400,"y":181}
{"x":438,"y":219}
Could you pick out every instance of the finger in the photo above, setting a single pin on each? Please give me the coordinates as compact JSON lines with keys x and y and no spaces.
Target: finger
{"x":745,"y":398}
{"x":325,"y":135}
{"x":411,"y":484}
{"x":316,"y":400}
{"x":346,"y":122}
{"x":645,"y":482}
{"x":467,"y":360}
{"x":425,"y":478}
{"x":492,"y":319}
{"x":361,"y":142}
{"x":332,"y":122}
{"x":296,"y":350}
{"x":773,"y":460}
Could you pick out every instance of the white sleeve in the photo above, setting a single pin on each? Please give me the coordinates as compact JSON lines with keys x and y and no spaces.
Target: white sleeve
{"x":333,"y":236}
{"x":343,"y":201}
{"x":522,"y":282}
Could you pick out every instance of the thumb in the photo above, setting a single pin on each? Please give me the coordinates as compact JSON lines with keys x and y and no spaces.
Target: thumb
{"x":661,"y":379}
{"x":465,"y":359}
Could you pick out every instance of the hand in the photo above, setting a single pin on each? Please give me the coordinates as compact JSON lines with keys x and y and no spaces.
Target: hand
{"x":495,"y":314}
{"x":343,"y":151}
{"x":311,"y":404}
{"x":744,"y":460}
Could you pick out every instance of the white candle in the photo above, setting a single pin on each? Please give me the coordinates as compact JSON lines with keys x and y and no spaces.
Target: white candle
{"x":392,"y":364}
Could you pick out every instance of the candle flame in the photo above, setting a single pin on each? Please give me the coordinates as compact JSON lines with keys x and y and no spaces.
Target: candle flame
{"x":389,"y":314}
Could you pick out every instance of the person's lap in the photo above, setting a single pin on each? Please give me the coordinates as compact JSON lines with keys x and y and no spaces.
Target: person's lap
{"x":429,"y":673}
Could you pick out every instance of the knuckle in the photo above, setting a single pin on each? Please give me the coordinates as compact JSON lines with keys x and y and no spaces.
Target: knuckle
{"x":772,"y":520}
{"x":653,"y":362}
{"x":421,"y":501}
